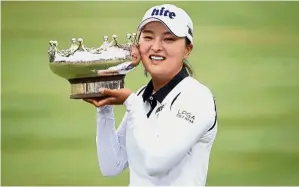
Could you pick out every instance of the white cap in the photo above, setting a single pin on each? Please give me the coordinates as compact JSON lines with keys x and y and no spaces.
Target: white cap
{"x":175,"y":19}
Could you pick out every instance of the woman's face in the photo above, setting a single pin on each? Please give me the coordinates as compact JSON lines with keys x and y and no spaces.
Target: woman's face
{"x":162,"y":53}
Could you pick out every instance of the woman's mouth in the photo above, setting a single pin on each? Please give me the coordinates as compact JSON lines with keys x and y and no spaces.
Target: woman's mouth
{"x":156,"y":58}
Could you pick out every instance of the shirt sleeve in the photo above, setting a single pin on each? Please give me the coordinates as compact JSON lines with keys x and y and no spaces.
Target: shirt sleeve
{"x":111,"y":143}
{"x":171,"y":139}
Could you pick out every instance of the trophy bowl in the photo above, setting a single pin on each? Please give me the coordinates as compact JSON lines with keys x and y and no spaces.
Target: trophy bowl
{"x":89,"y":69}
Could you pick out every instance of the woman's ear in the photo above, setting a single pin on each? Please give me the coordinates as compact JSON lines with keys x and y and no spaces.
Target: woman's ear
{"x":188,"y":50}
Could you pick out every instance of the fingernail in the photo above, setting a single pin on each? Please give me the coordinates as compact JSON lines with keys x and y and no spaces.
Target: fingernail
{"x":101,"y":90}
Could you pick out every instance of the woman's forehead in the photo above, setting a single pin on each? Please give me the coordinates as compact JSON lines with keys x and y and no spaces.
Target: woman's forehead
{"x":154,"y":27}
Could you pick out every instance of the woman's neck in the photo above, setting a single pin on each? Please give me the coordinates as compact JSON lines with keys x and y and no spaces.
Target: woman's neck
{"x":159,"y":82}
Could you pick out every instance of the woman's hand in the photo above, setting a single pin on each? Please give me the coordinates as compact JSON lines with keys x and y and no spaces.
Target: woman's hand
{"x":115,"y":97}
{"x":135,"y":54}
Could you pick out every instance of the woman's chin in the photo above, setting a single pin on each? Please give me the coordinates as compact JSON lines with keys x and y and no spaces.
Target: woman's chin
{"x":157,"y":72}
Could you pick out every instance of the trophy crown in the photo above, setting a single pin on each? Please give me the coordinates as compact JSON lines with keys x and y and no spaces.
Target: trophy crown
{"x":55,"y":43}
{"x":80,"y":40}
{"x":78,"y":52}
{"x":134,"y":40}
{"x":114,"y":36}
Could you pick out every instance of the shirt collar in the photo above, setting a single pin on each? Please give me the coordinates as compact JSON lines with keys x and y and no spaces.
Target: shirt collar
{"x":164,"y":91}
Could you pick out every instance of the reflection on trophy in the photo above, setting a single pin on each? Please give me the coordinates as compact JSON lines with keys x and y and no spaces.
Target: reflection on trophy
{"x":89,"y":69}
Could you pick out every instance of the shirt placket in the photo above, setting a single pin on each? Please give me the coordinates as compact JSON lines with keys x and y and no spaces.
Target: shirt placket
{"x":153,"y":103}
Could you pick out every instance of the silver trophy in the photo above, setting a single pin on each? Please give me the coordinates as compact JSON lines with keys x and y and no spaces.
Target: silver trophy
{"x":89,"y":69}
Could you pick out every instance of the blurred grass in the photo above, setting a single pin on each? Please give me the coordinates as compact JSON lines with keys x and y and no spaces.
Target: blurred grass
{"x":246,"y":52}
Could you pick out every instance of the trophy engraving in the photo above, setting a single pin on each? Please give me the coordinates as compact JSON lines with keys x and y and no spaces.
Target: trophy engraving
{"x":89,"y":69}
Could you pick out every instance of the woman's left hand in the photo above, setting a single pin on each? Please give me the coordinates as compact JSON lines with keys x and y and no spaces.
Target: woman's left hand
{"x":115,"y":97}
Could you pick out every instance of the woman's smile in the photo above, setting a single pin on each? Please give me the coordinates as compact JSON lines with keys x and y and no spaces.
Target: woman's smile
{"x":157,"y":59}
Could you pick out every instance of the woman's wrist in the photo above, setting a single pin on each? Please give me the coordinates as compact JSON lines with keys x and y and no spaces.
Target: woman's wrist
{"x":105,"y":109}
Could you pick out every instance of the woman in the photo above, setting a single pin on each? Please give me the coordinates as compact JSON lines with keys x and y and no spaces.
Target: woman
{"x":170,"y":124}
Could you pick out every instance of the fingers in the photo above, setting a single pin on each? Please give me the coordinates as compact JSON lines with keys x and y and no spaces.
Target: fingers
{"x":103,"y":102}
{"x":111,"y":97}
{"x":135,"y":53}
{"x":88,"y":101}
{"x":91,"y":101}
{"x":107,"y":92}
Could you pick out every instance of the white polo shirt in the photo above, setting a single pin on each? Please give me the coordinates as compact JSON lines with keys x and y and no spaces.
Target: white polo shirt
{"x":165,"y":138}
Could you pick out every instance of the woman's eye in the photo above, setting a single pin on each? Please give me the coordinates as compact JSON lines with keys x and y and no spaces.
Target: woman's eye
{"x":147,"y":37}
{"x":169,"y":39}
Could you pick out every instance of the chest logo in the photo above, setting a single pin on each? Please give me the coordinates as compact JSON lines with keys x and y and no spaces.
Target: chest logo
{"x":160,"y":108}
{"x":188,"y":116}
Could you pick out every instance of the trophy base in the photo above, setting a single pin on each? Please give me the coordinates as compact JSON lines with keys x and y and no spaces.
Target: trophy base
{"x":87,"y":88}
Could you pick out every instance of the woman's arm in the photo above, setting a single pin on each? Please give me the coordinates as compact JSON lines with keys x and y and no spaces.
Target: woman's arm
{"x":111,"y":143}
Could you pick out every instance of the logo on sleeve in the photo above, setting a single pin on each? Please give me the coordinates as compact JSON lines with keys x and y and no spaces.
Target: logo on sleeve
{"x":188,"y":116}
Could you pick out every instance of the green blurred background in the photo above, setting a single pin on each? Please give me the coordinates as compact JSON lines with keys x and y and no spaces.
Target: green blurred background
{"x":246,"y":52}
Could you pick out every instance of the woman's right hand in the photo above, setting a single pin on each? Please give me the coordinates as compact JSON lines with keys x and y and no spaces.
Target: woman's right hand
{"x":93,"y":101}
{"x":113,"y":97}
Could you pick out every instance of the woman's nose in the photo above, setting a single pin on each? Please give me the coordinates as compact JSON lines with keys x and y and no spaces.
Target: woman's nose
{"x":157,"y":46}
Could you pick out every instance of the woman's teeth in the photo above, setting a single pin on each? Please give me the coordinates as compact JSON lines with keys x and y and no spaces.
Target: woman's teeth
{"x":157,"y":57}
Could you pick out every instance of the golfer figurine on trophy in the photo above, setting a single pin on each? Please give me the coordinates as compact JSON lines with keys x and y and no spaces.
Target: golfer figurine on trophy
{"x":89,"y":69}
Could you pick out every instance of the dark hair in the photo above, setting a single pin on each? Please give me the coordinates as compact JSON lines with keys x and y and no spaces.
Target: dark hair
{"x":185,"y":62}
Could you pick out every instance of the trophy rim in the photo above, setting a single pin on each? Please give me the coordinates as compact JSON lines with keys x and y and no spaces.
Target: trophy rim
{"x":96,"y":78}
{"x":88,"y":96}
{"x":79,"y":71}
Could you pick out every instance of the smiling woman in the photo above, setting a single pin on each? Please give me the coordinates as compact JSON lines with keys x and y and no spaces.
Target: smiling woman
{"x":168,"y":130}
{"x":162,"y":64}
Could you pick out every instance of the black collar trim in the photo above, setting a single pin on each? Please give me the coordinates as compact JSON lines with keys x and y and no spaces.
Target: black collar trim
{"x":164,"y":91}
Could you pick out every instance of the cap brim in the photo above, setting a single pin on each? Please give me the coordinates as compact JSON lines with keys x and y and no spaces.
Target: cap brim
{"x":152,"y":19}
